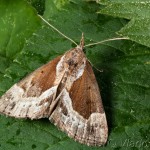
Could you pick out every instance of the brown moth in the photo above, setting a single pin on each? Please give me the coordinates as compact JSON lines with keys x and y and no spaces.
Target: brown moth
{"x":65,"y":91}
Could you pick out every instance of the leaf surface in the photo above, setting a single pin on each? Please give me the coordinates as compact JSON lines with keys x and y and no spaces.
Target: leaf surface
{"x":123,"y":78}
{"x":137,"y":11}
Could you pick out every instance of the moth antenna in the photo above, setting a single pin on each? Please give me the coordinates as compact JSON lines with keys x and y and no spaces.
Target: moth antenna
{"x":100,"y":42}
{"x":96,"y":43}
{"x":58,"y":30}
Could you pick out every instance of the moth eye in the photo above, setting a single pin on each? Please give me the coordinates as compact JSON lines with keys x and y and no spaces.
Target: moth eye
{"x":70,"y":62}
{"x":75,"y":64}
{"x":42,"y":71}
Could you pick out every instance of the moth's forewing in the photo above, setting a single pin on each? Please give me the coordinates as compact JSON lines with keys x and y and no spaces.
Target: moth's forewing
{"x":32,"y":96}
{"x":80,"y":111}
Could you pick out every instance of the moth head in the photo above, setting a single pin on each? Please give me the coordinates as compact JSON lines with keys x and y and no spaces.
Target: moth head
{"x":82,"y":41}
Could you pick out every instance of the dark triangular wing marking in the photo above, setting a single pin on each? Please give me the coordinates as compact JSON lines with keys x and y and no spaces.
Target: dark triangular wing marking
{"x":32,"y":96}
{"x":80,"y":112}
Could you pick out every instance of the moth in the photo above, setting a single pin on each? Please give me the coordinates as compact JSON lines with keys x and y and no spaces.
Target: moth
{"x":66,"y":92}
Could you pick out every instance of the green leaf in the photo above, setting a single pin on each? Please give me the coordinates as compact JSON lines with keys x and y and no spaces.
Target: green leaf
{"x":123,"y":78}
{"x":16,"y":25}
{"x":137,"y":11}
{"x":39,"y":5}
